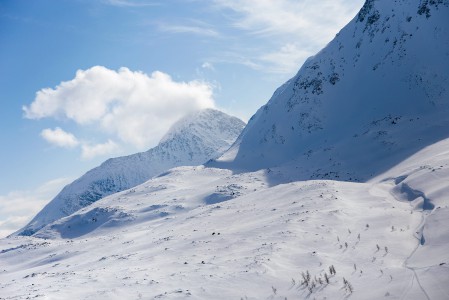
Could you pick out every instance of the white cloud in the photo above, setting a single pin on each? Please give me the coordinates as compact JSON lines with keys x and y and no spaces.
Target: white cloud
{"x":64,"y":139}
{"x":60,"y":138}
{"x":197,"y":30}
{"x":208,"y":66}
{"x":130,"y":3}
{"x":305,"y":18}
{"x":237,"y":57}
{"x":17,"y":208}
{"x":286,"y":59}
{"x":132,"y":106}
{"x":304,"y":26}
{"x":91,"y":151}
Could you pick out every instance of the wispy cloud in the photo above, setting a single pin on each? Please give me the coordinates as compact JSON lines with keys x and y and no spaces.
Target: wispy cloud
{"x":188,"y":29}
{"x":304,"y":18}
{"x":208,"y":66}
{"x":285,"y":60}
{"x":131,"y":3}
{"x":234,"y":56}
{"x":18,"y":207}
{"x":293,"y":30}
{"x":132,"y":107}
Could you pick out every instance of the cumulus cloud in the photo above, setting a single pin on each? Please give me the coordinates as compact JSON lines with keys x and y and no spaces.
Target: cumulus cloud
{"x":17,"y":208}
{"x":59,"y":137}
{"x":133,"y":107}
{"x":91,"y":151}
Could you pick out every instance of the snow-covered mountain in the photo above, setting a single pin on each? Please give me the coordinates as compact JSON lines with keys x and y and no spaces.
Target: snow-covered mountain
{"x":369,"y":112}
{"x":191,"y":141}
{"x":376,"y":94}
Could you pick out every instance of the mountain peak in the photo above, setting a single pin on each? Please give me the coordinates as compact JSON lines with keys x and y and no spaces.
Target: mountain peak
{"x":205,"y":122}
{"x":193,"y":140}
{"x":377,"y":92}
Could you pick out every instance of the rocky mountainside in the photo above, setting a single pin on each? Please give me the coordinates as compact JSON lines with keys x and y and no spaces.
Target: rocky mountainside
{"x":193,"y":140}
{"x":376,"y":94}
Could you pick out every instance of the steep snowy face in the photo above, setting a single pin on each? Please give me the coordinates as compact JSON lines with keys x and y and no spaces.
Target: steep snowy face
{"x":376,"y":94}
{"x":193,"y":140}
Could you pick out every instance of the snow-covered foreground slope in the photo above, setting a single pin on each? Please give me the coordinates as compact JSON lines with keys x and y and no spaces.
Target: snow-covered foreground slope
{"x":193,"y":140}
{"x":204,"y":233}
{"x":372,"y":97}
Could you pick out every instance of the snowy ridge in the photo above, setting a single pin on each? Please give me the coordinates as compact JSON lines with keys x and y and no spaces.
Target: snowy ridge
{"x":382,"y":81}
{"x":193,"y":140}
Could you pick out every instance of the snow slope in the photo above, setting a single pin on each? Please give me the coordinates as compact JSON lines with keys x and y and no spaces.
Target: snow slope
{"x":372,"y":97}
{"x":204,"y":233}
{"x":193,"y":140}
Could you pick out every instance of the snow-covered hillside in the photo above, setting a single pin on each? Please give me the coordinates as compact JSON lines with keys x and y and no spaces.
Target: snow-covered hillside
{"x":376,"y":94}
{"x":336,"y":189}
{"x":205,"y":233}
{"x":191,"y":141}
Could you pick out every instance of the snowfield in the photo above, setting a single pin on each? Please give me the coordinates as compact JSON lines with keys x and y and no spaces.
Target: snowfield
{"x":205,"y":233}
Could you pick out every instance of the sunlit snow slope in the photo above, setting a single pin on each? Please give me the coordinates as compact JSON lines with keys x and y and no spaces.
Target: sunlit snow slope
{"x":203,"y":233}
{"x":193,"y":140}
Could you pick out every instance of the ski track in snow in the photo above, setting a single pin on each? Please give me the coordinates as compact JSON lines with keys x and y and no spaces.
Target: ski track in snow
{"x":419,"y":235}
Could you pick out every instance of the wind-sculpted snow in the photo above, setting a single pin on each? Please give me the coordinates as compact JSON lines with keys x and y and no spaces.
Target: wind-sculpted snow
{"x":193,"y":140}
{"x":373,"y":96}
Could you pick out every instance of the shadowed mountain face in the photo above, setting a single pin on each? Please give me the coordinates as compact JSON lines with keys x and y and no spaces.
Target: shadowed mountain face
{"x":376,"y":94}
{"x":193,"y":140}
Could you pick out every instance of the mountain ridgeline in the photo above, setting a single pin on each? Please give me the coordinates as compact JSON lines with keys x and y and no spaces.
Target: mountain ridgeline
{"x":191,"y":141}
{"x":373,"y":96}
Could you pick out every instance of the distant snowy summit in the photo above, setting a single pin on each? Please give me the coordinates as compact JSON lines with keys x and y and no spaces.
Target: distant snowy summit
{"x":193,"y":140}
{"x":374,"y":95}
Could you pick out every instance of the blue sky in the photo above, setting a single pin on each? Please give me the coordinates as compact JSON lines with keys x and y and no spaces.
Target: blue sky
{"x":84,"y":80}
